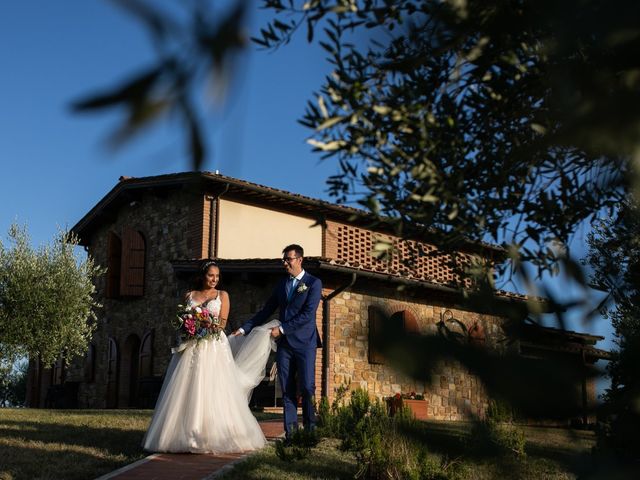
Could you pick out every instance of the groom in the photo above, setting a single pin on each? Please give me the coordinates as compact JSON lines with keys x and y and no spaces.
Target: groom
{"x":297,"y":296}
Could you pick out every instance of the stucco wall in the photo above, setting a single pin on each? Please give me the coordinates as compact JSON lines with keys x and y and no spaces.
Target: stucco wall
{"x":247,"y":231}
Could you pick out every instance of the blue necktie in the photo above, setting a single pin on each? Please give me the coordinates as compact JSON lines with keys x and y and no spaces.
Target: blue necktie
{"x":290,"y":287}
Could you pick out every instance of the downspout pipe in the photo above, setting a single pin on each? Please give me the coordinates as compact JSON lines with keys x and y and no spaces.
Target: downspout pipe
{"x":213,"y":222}
{"x":326,"y":332}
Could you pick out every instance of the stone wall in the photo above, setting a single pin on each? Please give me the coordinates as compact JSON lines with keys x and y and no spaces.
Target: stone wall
{"x":172,"y":229}
{"x":452,"y":394}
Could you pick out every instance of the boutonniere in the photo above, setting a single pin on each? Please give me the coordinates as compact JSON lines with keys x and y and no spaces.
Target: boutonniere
{"x":301,"y":288}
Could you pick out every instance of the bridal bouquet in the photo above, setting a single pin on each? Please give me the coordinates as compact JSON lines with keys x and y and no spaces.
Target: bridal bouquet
{"x":197,"y":323}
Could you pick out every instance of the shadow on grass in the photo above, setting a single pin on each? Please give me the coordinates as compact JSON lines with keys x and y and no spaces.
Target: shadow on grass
{"x":72,"y":444}
{"x":35,"y":461}
{"x":116,"y":441}
{"x":546,"y":448}
{"x":325,"y":460}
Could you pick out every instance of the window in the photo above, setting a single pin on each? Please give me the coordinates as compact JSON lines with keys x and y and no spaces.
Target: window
{"x":407,"y":320}
{"x":401,"y":322}
{"x":132,"y":266}
{"x":146,"y":355}
{"x":380,"y":325}
{"x":476,"y":334}
{"x":114,"y":259}
{"x":376,"y":324}
{"x":125,"y":264}
{"x":112,"y":374}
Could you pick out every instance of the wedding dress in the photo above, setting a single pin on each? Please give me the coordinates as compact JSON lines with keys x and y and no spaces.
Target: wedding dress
{"x":203,"y":404}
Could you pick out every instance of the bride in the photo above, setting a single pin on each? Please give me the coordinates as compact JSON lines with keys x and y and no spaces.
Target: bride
{"x":203,"y":404}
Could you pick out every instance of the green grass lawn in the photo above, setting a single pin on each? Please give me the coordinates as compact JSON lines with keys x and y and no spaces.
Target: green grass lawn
{"x":82,"y":444}
{"x":552,"y":453}
{"x":68,"y":444}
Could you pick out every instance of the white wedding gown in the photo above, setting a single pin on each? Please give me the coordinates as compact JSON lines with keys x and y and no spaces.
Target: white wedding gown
{"x":203,"y":404}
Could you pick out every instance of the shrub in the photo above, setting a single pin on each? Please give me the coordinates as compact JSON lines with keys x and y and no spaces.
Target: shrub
{"x":328,"y":420}
{"x":299,"y":447}
{"x":500,"y":411}
{"x":493,"y":437}
{"x":377,"y":441}
{"x":431,"y":467}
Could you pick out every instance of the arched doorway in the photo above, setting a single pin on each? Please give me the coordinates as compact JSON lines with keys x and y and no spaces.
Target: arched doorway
{"x":129,"y":372}
{"x":148,"y":385}
{"x":112,"y":374}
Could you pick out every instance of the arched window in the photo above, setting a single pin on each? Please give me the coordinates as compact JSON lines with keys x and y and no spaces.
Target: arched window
{"x":112,"y":374}
{"x":380,"y":325}
{"x":376,"y":326}
{"x":476,"y":334}
{"x":129,"y":363}
{"x":146,"y":355}
{"x":407,"y":320}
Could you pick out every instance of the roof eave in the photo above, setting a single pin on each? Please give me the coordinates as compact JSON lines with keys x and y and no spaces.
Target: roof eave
{"x":349,"y":214}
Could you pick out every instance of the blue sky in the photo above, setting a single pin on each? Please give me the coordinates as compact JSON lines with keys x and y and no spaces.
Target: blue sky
{"x":54,"y":165}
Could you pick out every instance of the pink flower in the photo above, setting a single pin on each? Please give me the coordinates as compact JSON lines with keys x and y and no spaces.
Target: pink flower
{"x":190,"y":326}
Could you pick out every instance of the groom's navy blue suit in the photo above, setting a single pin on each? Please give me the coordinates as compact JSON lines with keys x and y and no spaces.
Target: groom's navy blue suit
{"x":297,"y":347}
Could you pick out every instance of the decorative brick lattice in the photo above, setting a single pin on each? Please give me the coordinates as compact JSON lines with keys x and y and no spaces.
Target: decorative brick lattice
{"x":412,"y":259}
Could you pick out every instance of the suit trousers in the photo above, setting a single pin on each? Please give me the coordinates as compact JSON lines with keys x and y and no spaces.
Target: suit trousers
{"x":300,"y":363}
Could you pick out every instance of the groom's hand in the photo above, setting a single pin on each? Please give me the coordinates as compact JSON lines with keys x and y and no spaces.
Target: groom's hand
{"x":236,"y":333}
{"x":275,"y":332}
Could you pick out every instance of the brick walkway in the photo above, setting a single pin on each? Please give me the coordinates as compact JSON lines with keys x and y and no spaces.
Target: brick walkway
{"x":185,"y":466}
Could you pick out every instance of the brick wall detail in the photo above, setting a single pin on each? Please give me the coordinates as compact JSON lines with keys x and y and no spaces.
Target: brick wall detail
{"x":417,"y":260}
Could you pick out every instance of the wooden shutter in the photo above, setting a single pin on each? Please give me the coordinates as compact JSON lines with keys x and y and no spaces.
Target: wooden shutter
{"x":112,"y":374}
{"x":376,"y":319}
{"x":133,"y":258}
{"x":114,"y":259}
{"x":146,"y":356}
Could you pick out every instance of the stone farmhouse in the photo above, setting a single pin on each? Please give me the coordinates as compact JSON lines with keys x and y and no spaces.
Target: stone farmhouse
{"x":151,"y":233}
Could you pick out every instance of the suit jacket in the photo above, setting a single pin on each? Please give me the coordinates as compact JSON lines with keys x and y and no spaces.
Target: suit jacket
{"x":298,"y":315}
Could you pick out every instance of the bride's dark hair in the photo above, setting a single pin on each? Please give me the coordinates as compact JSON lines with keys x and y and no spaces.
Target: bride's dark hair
{"x":205,"y":266}
{"x":198,"y":280}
